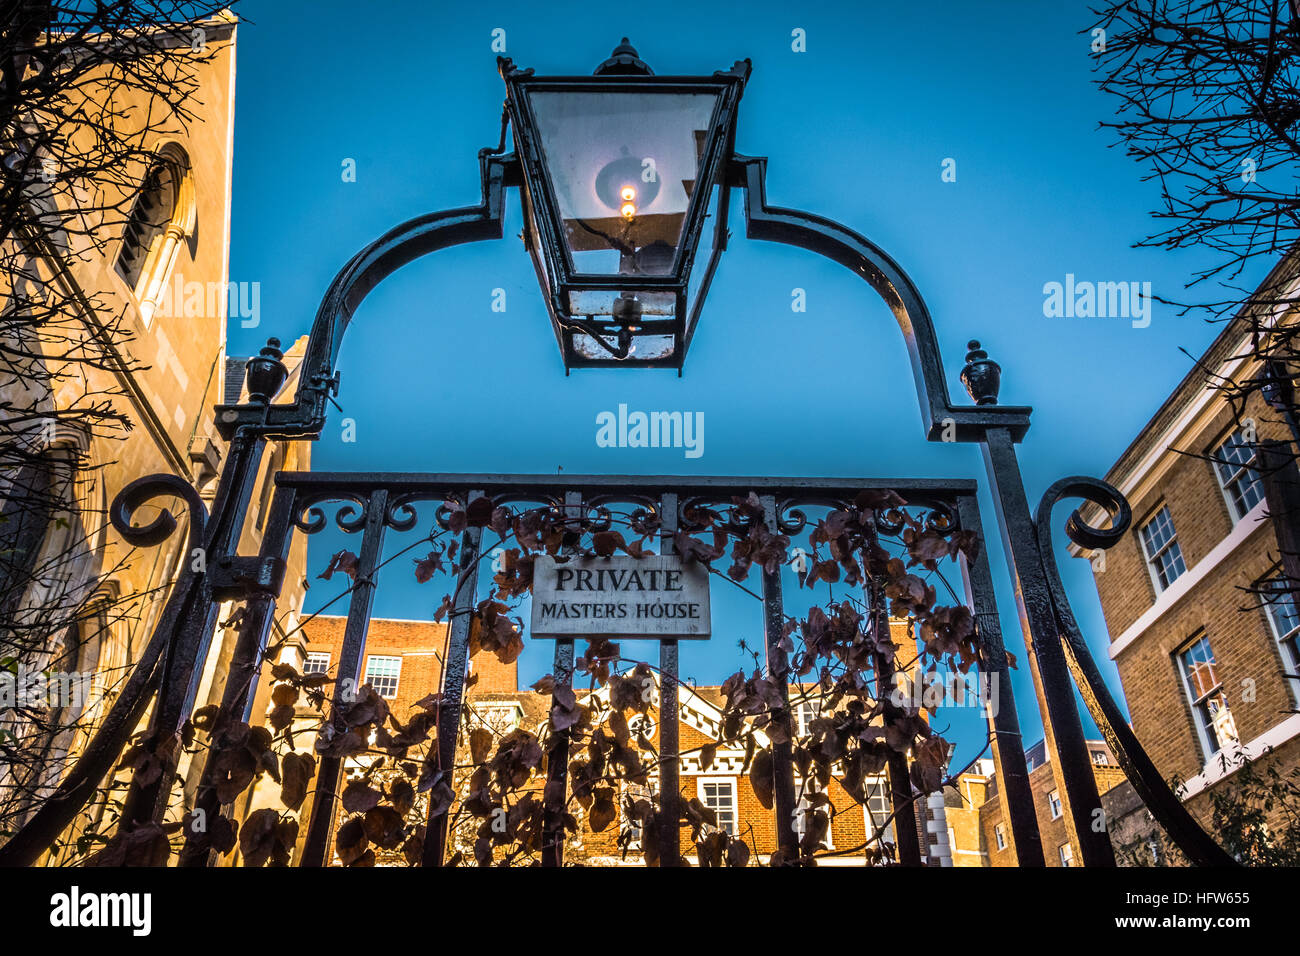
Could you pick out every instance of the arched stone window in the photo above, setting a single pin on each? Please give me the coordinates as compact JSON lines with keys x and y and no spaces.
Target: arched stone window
{"x":26,"y":512}
{"x":163,"y":215}
{"x":47,"y":551}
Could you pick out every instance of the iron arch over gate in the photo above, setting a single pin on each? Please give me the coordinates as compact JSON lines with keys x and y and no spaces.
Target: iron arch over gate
{"x":1058,"y":656}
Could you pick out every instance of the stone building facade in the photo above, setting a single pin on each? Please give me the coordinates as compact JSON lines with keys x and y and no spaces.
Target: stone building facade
{"x":162,"y":275}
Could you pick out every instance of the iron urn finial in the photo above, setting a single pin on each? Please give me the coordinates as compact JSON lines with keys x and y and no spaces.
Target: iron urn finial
{"x":624,"y":61}
{"x":265,"y":373}
{"x":981,"y":375}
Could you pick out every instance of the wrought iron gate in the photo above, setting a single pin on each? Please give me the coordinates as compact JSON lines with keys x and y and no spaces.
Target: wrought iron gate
{"x":168,"y":667}
{"x":372,"y":505}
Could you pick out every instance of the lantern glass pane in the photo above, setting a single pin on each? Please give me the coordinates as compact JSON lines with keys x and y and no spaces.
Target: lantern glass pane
{"x":622,"y":167}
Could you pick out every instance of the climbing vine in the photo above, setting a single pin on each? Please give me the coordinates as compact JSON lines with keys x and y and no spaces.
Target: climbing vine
{"x":502,"y":799}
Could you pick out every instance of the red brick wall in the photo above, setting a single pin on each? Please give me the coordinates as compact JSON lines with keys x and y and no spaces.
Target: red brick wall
{"x":421,"y":646}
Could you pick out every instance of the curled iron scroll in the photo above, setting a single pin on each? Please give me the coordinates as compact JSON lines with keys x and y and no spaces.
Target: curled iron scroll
{"x":78,"y":787}
{"x":1187,"y":834}
{"x":130,"y":498}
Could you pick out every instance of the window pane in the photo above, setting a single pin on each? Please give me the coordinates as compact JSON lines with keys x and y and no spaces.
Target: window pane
{"x":1162,"y":550}
{"x":1281,"y":609}
{"x":1240,"y":481}
{"x":1209,"y":705}
{"x":878,"y":807}
{"x":623,"y":167}
{"x":1201,"y":669}
{"x":805,"y":712}
{"x":382,"y":674}
{"x":720,"y":796}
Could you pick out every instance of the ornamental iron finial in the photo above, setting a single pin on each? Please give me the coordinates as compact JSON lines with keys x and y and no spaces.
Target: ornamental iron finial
{"x":624,"y":61}
{"x":265,"y":373}
{"x":981,"y":375}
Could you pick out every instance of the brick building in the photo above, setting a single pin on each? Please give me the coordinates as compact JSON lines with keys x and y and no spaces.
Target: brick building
{"x":1207,"y":651}
{"x":1058,"y":848}
{"x":403,"y":662}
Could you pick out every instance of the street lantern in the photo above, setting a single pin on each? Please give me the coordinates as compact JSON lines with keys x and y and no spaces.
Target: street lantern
{"x":623,"y":172}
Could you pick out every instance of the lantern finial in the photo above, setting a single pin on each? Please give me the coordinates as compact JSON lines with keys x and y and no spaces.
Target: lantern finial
{"x":624,"y":61}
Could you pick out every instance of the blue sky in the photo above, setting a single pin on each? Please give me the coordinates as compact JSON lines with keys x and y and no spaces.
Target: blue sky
{"x":856,"y":128}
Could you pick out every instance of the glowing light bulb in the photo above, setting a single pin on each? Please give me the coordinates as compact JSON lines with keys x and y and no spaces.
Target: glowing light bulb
{"x":628,"y":210}
{"x":628,"y":193}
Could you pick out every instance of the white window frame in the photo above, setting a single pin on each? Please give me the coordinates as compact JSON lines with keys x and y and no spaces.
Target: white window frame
{"x":1151,"y":559}
{"x":1054,"y":804}
{"x":1065,"y":853}
{"x":805,"y":711}
{"x":735,"y":800}
{"x":397,"y":677}
{"x":877,"y":785}
{"x":1288,"y":643}
{"x":316,"y":657}
{"x":1240,"y":472}
{"x":1000,"y":835}
{"x":1209,"y":742}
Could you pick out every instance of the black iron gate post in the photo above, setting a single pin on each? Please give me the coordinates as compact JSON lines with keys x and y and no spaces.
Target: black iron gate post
{"x":670,"y":795}
{"x":441,"y":760}
{"x":316,"y":848}
{"x":1062,"y":729}
{"x":777,"y":669}
{"x":555,"y":794}
{"x":245,"y":669}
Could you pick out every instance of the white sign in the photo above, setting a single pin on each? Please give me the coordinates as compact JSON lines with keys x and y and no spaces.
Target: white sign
{"x":656,"y":596}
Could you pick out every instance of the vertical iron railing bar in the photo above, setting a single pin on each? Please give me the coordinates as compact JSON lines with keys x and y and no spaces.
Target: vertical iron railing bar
{"x":670,"y":799}
{"x":320,"y":821}
{"x":441,"y":758}
{"x":777,"y":669}
{"x":241,"y":678}
{"x":555,"y":794}
{"x":906,"y":839}
{"x":182,"y":664}
{"x":1004,"y":723}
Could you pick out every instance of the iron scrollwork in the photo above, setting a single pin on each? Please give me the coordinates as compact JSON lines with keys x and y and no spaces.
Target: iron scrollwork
{"x":1187,"y":834}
